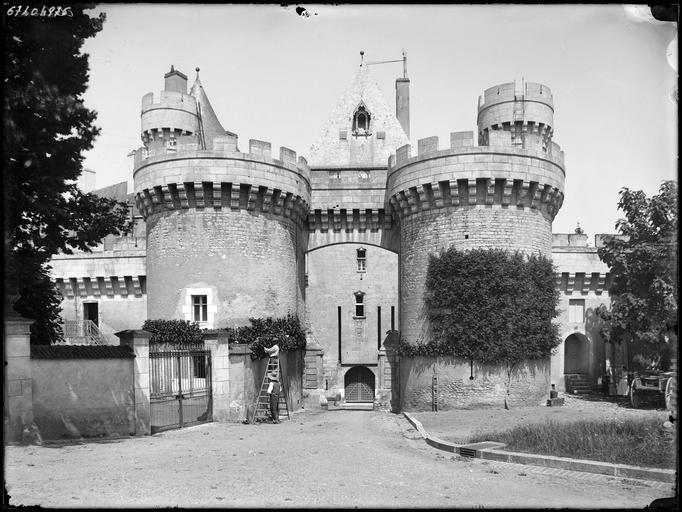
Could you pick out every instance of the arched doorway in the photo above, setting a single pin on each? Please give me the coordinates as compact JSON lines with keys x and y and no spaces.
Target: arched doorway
{"x":359,"y":384}
{"x":576,"y":354}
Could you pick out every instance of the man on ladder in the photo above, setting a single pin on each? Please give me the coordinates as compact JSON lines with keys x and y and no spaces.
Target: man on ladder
{"x":273,"y":391}
{"x":274,"y":386}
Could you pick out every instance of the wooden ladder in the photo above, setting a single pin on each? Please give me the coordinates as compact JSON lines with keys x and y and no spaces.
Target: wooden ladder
{"x":262,"y":410}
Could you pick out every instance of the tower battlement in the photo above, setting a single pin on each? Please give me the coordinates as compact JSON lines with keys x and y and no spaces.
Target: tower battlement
{"x":466,"y":175}
{"x":181,"y":175}
{"x":463,"y":142}
{"x":522,"y":110}
{"x":174,"y":115}
{"x":509,"y":91}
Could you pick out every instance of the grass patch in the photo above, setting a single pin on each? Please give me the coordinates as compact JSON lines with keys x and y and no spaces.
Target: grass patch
{"x":637,"y":441}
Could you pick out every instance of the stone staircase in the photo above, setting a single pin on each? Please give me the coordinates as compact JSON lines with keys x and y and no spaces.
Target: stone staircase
{"x":578,"y":384}
{"x":351,"y":406}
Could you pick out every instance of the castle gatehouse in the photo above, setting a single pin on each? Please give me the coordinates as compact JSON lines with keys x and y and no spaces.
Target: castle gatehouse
{"x":341,"y":237}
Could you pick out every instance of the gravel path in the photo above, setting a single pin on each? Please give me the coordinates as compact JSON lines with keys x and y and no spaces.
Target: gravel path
{"x":317,"y":460}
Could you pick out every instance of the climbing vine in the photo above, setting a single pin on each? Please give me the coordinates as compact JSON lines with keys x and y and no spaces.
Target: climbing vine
{"x":173,"y":331}
{"x":490,"y":306}
{"x":286,"y":332}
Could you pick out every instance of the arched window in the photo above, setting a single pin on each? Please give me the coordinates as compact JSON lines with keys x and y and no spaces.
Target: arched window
{"x":360,"y":304}
{"x":361,"y":121}
{"x":362,"y":260}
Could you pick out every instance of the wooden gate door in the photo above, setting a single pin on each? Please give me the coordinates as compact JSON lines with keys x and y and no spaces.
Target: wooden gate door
{"x":180,"y":386}
{"x":359,"y":384}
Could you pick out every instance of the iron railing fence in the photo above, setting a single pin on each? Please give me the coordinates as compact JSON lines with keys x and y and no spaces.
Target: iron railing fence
{"x":180,"y":385}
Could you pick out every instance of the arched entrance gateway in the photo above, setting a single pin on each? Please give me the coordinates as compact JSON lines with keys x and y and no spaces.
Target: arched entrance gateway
{"x":576,"y":354}
{"x":359,"y":384}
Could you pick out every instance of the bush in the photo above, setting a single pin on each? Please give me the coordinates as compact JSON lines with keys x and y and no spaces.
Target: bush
{"x":173,"y":331}
{"x":286,"y":332}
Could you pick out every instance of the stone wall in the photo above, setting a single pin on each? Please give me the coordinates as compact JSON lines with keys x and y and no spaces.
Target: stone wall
{"x":18,"y":417}
{"x":83,"y":391}
{"x":530,"y":384}
{"x":348,"y":188}
{"x":248,"y":261}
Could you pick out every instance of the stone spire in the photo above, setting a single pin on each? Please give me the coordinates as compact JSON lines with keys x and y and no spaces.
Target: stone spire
{"x":210,"y":123}
{"x":338,"y":145}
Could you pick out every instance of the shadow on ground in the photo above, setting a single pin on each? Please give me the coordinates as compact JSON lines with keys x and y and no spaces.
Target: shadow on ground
{"x":86,"y":441}
{"x":652,"y":403}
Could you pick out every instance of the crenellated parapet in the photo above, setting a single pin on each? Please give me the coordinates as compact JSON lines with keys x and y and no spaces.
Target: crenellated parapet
{"x":464,"y":175}
{"x":183,"y":176}
{"x":172,"y":116}
{"x":523,"y":110}
{"x":361,"y":220}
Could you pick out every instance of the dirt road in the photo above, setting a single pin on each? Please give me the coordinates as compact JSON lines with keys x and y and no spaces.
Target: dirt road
{"x":318,"y":459}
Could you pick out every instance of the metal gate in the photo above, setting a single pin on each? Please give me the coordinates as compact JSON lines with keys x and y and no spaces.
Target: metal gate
{"x":359,"y":384}
{"x":180,"y":385}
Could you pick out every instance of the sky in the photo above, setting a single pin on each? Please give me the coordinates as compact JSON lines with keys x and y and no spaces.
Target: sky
{"x":275,"y":75}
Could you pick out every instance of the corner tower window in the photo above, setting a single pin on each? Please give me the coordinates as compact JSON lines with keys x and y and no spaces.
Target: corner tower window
{"x":362,"y":260}
{"x":361,"y":121}
{"x":359,"y":305}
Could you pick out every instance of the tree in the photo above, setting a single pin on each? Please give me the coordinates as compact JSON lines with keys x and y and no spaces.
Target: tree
{"x":47,"y":129}
{"x":642,"y":259}
{"x":490,"y":306}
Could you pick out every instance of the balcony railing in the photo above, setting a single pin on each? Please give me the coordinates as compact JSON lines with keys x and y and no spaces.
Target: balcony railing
{"x":82,"y":332}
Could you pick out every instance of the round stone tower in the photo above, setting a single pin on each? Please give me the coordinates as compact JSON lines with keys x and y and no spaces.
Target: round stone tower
{"x":503,"y":193}
{"x":224,"y":228}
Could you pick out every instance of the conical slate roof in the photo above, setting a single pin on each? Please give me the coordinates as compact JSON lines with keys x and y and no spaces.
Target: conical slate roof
{"x":330,"y":149}
{"x":210,"y":123}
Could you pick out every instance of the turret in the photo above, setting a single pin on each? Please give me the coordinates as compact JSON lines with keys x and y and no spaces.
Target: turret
{"x":503,"y":193}
{"x":224,"y":228}
{"x":524,"y":110}
{"x":173,"y":116}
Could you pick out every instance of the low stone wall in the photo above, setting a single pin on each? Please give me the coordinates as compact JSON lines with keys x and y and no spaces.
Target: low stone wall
{"x":530,"y":384}
{"x":246,"y":378}
{"x":83,"y":391}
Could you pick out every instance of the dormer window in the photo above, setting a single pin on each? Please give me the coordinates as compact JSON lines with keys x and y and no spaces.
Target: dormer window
{"x":361,"y":122}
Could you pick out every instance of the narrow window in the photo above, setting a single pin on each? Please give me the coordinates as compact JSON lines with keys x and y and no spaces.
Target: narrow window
{"x":576,"y":311}
{"x":360,"y":304}
{"x":393,"y":318}
{"x":199,"y":308}
{"x":362,"y":260}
